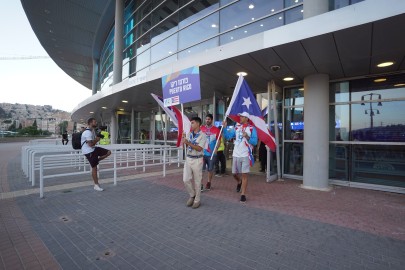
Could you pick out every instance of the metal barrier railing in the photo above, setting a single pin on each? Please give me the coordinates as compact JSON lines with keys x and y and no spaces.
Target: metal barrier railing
{"x":125,"y":156}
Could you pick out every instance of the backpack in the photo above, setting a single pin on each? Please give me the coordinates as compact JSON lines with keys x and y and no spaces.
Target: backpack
{"x":77,"y":140}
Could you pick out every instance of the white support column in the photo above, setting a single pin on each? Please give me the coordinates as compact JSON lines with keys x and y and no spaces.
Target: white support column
{"x":118,"y":41}
{"x":95,"y":76}
{"x":114,"y":127}
{"x":132,"y":125}
{"x":315,"y":7}
{"x":316,"y":132}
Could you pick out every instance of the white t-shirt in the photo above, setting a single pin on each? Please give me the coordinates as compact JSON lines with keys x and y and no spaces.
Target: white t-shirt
{"x":87,"y":135}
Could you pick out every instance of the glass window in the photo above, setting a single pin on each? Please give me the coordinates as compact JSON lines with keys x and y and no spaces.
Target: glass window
{"x":196,"y":10}
{"x":339,"y":161}
{"x":294,"y":96}
{"x":247,"y":11}
{"x":164,"y":49}
{"x":143,"y":27}
{"x":199,"y":48}
{"x":339,"y":92}
{"x":340,"y":123}
{"x":165,"y":29}
{"x":199,"y":31}
{"x":293,"y":158}
{"x":294,"y":124}
{"x":289,"y":3}
{"x":163,"y":62}
{"x":142,"y":60}
{"x":293,"y":15}
{"x":164,"y":10}
{"x":378,"y":121}
{"x":251,"y":29}
{"x":379,"y":164}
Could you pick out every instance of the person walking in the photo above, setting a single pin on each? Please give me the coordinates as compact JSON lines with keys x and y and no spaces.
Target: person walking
{"x":212,"y":134}
{"x":65,"y":138}
{"x":220,"y":164}
{"x":245,"y":139}
{"x":194,"y":142}
{"x":93,"y":153}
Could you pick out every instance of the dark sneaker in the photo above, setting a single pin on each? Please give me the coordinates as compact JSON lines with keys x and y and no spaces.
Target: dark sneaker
{"x":202,"y":187}
{"x":243,"y":199}
{"x":195,"y":205}
{"x":190,"y":201}
{"x":238,"y":187}
{"x":208,"y":186}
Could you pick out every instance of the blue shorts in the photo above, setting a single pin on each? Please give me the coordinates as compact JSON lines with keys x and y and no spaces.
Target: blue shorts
{"x":209,"y":163}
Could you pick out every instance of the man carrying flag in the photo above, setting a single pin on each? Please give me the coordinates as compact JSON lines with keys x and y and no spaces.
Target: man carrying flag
{"x":244,"y":109}
{"x":242,"y":157}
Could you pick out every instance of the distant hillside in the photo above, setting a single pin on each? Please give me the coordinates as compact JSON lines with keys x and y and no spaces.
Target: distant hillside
{"x":26,"y":114}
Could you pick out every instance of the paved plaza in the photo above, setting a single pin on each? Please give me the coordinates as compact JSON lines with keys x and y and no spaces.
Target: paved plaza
{"x":143,"y":223}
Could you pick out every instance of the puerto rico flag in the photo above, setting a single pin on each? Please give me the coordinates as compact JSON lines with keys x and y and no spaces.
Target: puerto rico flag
{"x":177,"y":118}
{"x":243,"y":100}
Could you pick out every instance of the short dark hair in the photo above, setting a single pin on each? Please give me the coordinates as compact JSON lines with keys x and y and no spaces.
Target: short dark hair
{"x":210,"y":116}
{"x":196,"y":119}
{"x":90,"y":120}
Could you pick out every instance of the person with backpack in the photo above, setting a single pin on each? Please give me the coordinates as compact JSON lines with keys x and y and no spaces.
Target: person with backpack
{"x":93,"y":153}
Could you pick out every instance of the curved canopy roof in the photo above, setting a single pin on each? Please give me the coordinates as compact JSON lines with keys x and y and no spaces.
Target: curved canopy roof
{"x":71,"y":32}
{"x":344,"y":43}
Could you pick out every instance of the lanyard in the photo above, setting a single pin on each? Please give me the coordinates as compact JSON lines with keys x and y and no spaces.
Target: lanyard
{"x":193,"y":139}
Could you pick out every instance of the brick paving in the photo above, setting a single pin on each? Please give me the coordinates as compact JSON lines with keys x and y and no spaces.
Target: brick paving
{"x":144,"y":224}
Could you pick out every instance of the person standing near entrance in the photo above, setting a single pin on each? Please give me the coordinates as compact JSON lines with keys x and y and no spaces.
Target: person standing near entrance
{"x":245,"y":139}
{"x":220,"y":164}
{"x":212,"y":134}
{"x":93,"y":153}
{"x":106,"y":139}
{"x":194,"y":143}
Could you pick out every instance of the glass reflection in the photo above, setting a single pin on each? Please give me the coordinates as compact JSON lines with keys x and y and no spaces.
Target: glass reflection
{"x":167,"y":47}
{"x":247,"y":11}
{"x":199,"y":48}
{"x":339,"y":162}
{"x":294,"y":96}
{"x":339,"y":123}
{"x":293,"y":158}
{"x":294,"y":124}
{"x":379,"y":164}
{"x":294,"y":15}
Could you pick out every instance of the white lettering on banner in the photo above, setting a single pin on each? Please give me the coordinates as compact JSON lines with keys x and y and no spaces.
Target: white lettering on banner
{"x":179,"y":86}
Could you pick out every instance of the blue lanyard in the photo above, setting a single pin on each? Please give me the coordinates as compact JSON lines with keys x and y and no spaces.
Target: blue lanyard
{"x":193,"y":139}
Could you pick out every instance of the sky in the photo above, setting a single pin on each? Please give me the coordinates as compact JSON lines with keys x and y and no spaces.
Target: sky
{"x":33,"y":81}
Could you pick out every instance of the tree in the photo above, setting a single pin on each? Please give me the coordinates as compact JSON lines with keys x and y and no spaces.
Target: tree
{"x":63,"y":126}
{"x":20,"y":126}
{"x":35,"y":124}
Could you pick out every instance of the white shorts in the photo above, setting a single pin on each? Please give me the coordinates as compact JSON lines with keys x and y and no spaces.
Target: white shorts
{"x":240,"y":165}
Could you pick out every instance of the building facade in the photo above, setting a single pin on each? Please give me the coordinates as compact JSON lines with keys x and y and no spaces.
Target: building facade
{"x":339,"y":63}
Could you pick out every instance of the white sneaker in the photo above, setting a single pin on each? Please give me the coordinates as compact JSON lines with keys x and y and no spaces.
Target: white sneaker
{"x":98,"y":188}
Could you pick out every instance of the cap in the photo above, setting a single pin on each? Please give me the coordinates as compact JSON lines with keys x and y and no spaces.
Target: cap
{"x":245,"y":114}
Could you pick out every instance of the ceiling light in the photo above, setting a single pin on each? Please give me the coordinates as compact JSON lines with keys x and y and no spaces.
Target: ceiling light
{"x":91,"y":112}
{"x":272,"y":10}
{"x":213,"y":25}
{"x":385,"y":64}
{"x":288,"y":79}
{"x":261,"y":25}
{"x":251,"y":6}
{"x":253,"y":19}
{"x":124,"y":101}
{"x":245,"y":31}
{"x":280,"y":17}
{"x":241,"y":73}
{"x":170,"y":52}
{"x":399,"y":84}
{"x":301,"y":89}
{"x":104,"y":107}
{"x":296,"y":1}
{"x":380,"y":80}
{"x":121,"y":109}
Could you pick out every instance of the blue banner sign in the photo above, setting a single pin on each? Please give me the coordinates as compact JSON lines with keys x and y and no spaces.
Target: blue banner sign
{"x":181,"y":87}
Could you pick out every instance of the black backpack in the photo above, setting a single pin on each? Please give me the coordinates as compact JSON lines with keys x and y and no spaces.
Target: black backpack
{"x":77,"y":140}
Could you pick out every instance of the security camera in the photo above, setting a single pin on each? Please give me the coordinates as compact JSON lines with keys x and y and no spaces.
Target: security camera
{"x":275,"y":68}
